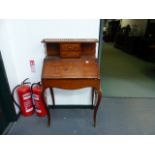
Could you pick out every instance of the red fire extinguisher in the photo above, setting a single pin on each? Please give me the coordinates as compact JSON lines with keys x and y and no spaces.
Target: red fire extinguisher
{"x":24,"y":95}
{"x":40,"y":107}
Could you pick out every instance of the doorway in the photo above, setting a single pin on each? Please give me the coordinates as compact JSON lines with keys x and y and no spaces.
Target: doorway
{"x":128,"y":58}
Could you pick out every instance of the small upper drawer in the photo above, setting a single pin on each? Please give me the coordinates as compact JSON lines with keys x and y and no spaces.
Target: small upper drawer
{"x":70,"y":50}
{"x":70,"y":47}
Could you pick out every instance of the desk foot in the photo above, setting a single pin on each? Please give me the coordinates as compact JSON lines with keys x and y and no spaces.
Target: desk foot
{"x":97,"y":105}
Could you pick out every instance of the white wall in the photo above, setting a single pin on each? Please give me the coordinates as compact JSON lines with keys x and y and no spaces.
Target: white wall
{"x":26,"y":36}
{"x":25,"y":43}
{"x":141,"y":23}
{"x":6,"y":51}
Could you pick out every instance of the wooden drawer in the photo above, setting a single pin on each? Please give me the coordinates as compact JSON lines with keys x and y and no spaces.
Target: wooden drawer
{"x":70,"y":50}
{"x":70,"y":47}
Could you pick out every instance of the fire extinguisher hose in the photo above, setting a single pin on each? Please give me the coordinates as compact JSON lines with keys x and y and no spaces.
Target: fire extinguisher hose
{"x":33,"y":84}
{"x":13,"y":91}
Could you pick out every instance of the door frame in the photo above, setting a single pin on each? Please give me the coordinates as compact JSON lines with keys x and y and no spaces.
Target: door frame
{"x":5,"y":95}
{"x":100,"y":46}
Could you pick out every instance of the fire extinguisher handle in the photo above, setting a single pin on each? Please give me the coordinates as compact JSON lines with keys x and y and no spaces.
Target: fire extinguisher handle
{"x":13,"y":91}
{"x":38,"y":83}
{"x":27,"y":83}
{"x":32,"y":87}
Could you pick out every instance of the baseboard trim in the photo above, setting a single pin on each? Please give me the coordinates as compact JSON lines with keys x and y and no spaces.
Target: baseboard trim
{"x":70,"y":107}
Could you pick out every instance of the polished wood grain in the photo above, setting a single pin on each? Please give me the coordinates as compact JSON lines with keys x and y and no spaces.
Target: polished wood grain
{"x":71,"y":83}
{"x":70,"y":47}
{"x":70,"y":50}
{"x":73,"y":40}
{"x":55,"y":68}
{"x":71,"y":64}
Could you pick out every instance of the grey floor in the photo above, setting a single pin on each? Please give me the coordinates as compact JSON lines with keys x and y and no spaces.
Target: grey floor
{"x":116,"y":116}
{"x":124,"y":75}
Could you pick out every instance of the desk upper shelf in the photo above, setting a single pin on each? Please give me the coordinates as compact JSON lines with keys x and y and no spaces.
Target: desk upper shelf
{"x":70,"y":48}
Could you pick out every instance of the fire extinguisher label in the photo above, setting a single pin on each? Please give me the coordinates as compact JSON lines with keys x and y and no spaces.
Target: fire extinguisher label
{"x":30,"y":109}
{"x":37,"y":106}
{"x":26,"y":96}
{"x":36,"y":97}
{"x":38,"y":111}
{"x":28,"y":106}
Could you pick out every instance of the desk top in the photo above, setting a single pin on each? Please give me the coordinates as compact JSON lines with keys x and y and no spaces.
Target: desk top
{"x":61,"y":40}
{"x":57,"y":68}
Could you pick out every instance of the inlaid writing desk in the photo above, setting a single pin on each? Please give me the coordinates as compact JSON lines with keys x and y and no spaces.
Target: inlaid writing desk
{"x":71,"y":64}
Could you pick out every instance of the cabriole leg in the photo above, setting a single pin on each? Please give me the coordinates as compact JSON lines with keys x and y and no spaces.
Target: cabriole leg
{"x":99,"y":92}
{"x":92,"y":106}
{"x":52,"y":94}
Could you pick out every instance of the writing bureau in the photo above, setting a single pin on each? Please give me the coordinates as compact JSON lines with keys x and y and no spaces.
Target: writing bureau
{"x":71,"y":64}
